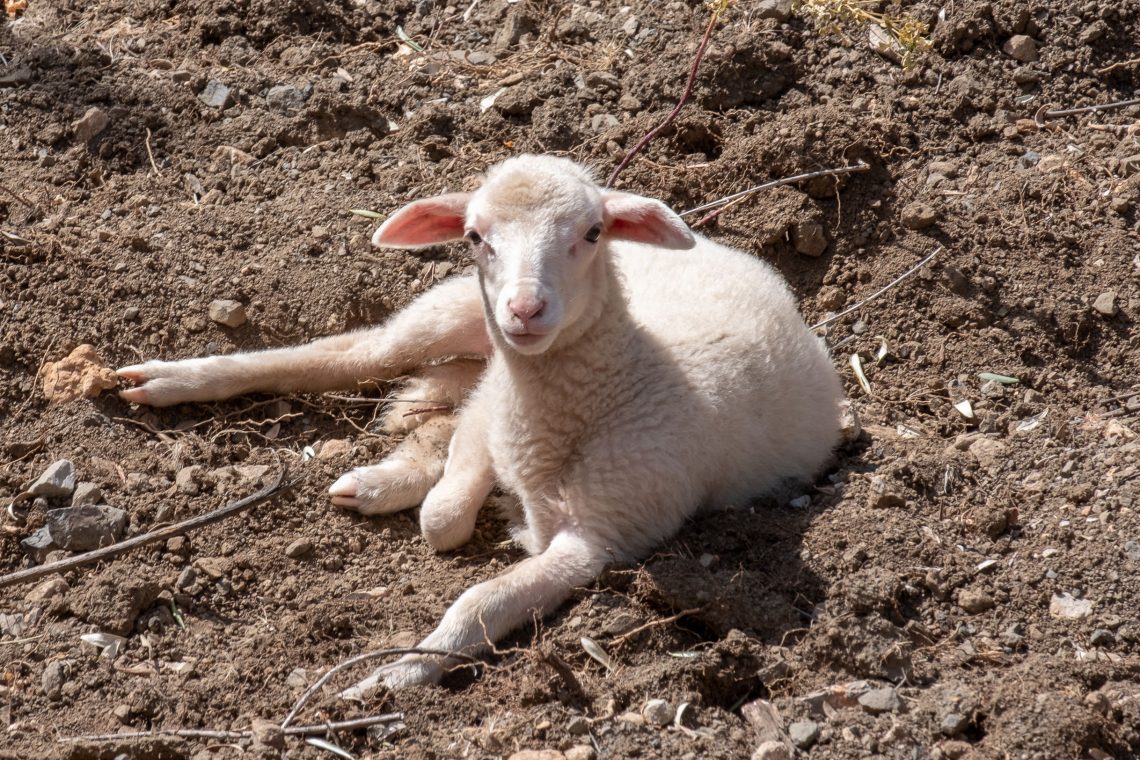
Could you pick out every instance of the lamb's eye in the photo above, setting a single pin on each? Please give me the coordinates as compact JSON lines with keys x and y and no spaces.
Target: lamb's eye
{"x":594,"y":233}
{"x":474,"y":237}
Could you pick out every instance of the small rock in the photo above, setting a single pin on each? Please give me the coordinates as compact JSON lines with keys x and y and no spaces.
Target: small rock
{"x":537,"y":754}
{"x":947,"y":169}
{"x":131,"y":313}
{"x":55,"y":675}
{"x":122,"y":713}
{"x":216,"y":95}
{"x":975,"y":601}
{"x":298,"y":679}
{"x":657,"y":712}
{"x":882,"y":496}
{"x":188,"y":480}
{"x":953,"y":724}
{"x":57,"y":480}
{"x":629,"y":103}
{"x":809,"y":238}
{"x":268,"y":733}
{"x":859,"y":327}
{"x":578,"y":726}
{"x":630,"y":27}
{"x":285,"y":98}
{"x":178,"y":545}
{"x":1132,"y":550}
{"x":252,"y":472}
{"x":878,"y":701}
{"x":1021,"y":47}
{"x":39,"y":545}
{"x":80,"y":375}
{"x":1093,"y":32}
{"x":227,"y":312}
{"x":1105,"y":304}
{"x":831,"y":298}
{"x":803,"y":733}
{"x":919,"y":216}
{"x":86,"y":527}
{"x":48,"y":590}
{"x":988,"y":452}
{"x":1051,"y":163}
{"x":88,"y":126}
{"x":780,"y":10}
{"x":1069,"y":607}
{"x":765,"y":720}
{"x":850,"y":428}
{"x":186,"y":578}
{"x":1102,"y":638}
{"x":772,"y":750}
{"x":581,"y":752}
{"x":299,"y":548}
{"x":334,"y":447}
{"x":1029,"y":159}
{"x":603,"y":121}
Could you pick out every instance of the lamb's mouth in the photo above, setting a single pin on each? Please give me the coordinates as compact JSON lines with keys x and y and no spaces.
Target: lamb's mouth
{"x":525,"y":339}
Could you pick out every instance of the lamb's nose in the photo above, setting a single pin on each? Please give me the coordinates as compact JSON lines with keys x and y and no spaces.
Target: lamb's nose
{"x":526,"y":308}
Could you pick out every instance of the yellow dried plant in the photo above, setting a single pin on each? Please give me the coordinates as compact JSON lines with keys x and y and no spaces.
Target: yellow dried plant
{"x":835,"y":16}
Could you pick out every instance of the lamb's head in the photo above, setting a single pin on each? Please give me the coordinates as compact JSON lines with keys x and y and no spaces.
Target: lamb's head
{"x":538,"y":228}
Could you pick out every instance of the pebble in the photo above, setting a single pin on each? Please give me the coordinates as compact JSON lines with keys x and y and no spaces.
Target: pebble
{"x":780,"y":10}
{"x":1021,"y":47}
{"x":286,"y":97}
{"x":298,"y":679}
{"x":186,"y":578}
{"x":86,"y":527}
{"x":57,"y":480}
{"x":131,"y":313}
{"x":1069,"y":607}
{"x":334,"y":447}
{"x":268,"y":733}
{"x":299,"y":548}
{"x":953,"y":724}
{"x":629,"y":103}
{"x":1029,"y":159}
{"x":1102,"y":638}
{"x":878,"y":701}
{"x":90,"y":125}
{"x":86,"y":493}
{"x":603,"y":121}
{"x":537,"y":754}
{"x":810,"y":238}
{"x":578,"y":726}
{"x":947,"y":169}
{"x":1132,"y":550}
{"x":657,"y":712}
{"x":38,"y":545}
{"x":227,"y":312}
{"x":55,"y":675}
{"x":122,"y":713}
{"x":630,"y":27}
{"x":581,"y":752}
{"x":919,"y":216}
{"x":216,"y":95}
{"x":49,"y":589}
{"x":803,"y":733}
{"x":975,"y":601}
{"x":988,"y":452}
{"x":1105,"y":304}
{"x":772,"y":750}
{"x":188,"y":480}
{"x":882,"y":496}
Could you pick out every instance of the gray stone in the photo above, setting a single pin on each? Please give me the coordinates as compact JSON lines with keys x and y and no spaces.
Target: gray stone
{"x":803,"y":733}
{"x":186,"y":578}
{"x":809,"y":238}
{"x":1102,"y":638}
{"x":89,"y":526}
{"x":227,"y":312}
{"x":1105,"y":304}
{"x":57,"y":480}
{"x":1132,"y":550}
{"x":919,"y":216}
{"x":780,"y":10}
{"x":657,"y":712}
{"x":286,"y":97}
{"x":39,"y":545}
{"x":188,"y":480}
{"x":878,"y":701}
{"x":630,"y":27}
{"x":1021,"y":47}
{"x":86,"y":493}
{"x":953,"y":724}
{"x":1029,"y":159}
{"x":90,"y":125}
{"x":216,"y":95}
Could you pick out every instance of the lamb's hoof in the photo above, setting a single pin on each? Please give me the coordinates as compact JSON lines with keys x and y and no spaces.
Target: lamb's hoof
{"x":410,"y":670}
{"x":391,"y":486}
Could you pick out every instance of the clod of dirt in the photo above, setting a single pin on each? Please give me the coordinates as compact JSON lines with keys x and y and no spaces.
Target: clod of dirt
{"x":975,"y":601}
{"x":919,"y":216}
{"x":90,"y":125}
{"x":112,"y":602}
{"x":227,"y":312}
{"x":86,"y":527}
{"x":81,"y":375}
{"x":810,"y":238}
{"x":55,"y":675}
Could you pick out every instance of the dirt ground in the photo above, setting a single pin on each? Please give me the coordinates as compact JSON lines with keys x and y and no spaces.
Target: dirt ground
{"x":957,"y":586}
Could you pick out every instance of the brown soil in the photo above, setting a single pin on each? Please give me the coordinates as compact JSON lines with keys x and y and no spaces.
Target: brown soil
{"x":122,"y":241}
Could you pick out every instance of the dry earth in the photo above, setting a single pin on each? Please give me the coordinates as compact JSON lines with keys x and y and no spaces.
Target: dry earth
{"x":978,"y":574}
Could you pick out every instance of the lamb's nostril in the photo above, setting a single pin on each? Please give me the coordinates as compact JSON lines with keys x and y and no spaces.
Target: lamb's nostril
{"x":526,"y":308}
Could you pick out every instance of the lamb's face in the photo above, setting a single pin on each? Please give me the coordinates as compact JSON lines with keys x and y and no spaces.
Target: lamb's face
{"x":536,"y":239}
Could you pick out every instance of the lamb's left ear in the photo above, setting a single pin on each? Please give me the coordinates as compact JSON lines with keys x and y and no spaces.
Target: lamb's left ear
{"x":632,"y":217}
{"x":424,"y":223}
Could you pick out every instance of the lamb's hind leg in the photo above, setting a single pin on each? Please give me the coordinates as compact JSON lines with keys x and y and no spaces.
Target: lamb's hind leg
{"x":486,"y":612}
{"x":445,"y":321}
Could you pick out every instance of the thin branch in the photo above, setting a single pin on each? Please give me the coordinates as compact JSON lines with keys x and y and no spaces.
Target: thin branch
{"x":1118,"y":65}
{"x":309,"y":692}
{"x":1092,"y":109}
{"x":655,"y":623}
{"x":858,"y":167}
{"x":150,"y":155}
{"x":880,"y":291}
{"x":317,"y":729}
{"x":713,"y":18}
{"x":31,"y":573}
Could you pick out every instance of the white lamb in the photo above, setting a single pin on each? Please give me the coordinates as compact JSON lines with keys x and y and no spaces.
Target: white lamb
{"x":630,"y":382}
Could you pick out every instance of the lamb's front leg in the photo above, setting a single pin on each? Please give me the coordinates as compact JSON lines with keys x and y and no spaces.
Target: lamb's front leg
{"x":445,"y":321}
{"x":485,"y":613}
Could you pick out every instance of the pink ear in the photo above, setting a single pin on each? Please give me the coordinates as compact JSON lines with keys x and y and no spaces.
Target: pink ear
{"x":423,"y":223}
{"x":631,"y":217}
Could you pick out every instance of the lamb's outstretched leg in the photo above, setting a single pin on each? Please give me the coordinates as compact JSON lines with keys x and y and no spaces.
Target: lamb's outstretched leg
{"x":488,"y":611}
{"x":432,"y":387}
{"x":445,"y":321}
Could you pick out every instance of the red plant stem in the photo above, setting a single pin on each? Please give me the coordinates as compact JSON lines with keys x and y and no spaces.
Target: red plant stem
{"x":680,"y":103}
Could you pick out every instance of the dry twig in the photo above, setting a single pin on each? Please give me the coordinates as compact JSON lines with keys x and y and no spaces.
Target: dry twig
{"x":278,"y":486}
{"x":880,"y":291}
{"x":1091,"y":109}
{"x":317,"y":729}
{"x":150,"y":155}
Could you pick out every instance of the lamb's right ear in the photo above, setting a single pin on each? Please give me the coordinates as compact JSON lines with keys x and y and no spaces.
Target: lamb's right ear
{"x":424,"y":223}
{"x":632,"y":217}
